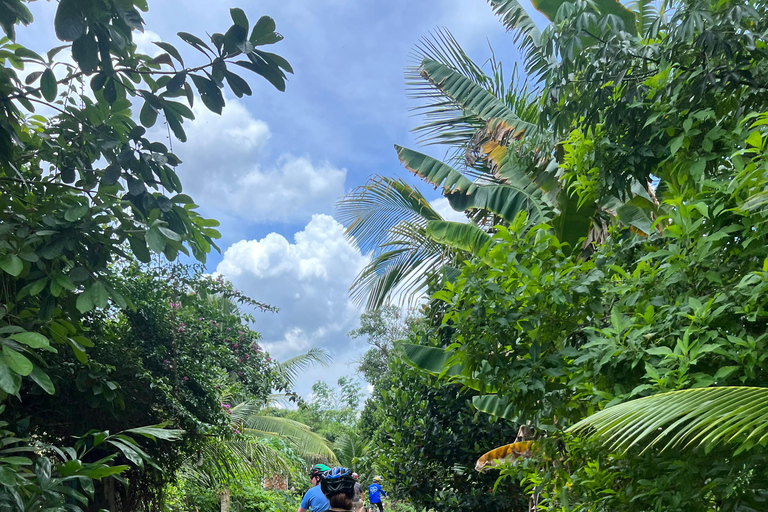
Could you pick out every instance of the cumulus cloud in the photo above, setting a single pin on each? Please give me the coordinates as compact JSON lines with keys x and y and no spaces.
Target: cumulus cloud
{"x":144,"y":40}
{"x":308,"y":279}
{"x":222,"y":170}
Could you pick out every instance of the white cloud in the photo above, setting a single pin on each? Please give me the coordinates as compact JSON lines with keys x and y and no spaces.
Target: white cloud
{"x":442,"y":207}
{"x":221,"y":170}
{"x":308,"y":279}
{"x":144,"y":40}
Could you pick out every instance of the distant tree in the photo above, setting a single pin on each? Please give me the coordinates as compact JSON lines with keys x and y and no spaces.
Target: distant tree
{"x":381,"y":328}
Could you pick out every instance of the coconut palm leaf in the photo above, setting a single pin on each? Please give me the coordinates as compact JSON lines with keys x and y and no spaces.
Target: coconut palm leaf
{"x":223,"y":461}
{"x":308,"y":444}
{"x":525,"y":34}
{"x":688,"y":418}
{"x":369,"y":212}
{"x":388,"y":217}
{"x":447,"y":123}
{"x":291,"y":368}
{"x":402,"y":270}
{"x":349,"y":447}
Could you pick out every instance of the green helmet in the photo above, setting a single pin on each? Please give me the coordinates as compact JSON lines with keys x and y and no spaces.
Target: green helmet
{"x":317,"y":469}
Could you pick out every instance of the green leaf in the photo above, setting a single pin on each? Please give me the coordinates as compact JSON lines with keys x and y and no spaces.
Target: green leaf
{"x":84,"y":301}
{"x":48,"y":85}
{"x":495,"y":406}
{"x":549,"y":9}
{"x":86,"y":53}
{"x":9,"y":382}
{"x":169,"y":234}
{"x":725,"y":372}
{"x":99,"y":294}
{"x":275,"y":59}
{"x":43,"y":380}
{"x":194,"y":41}
{"x":239,"y":17}
{"x":433,"y":360}
{"x":157,"y":432}
{"x":170,"y":49}
{"x":238,"y":85}
{"x":76,"y":212}
{"x":148,"y":115}
{"x":69,"y":21}
{"x":177,"y":82}
{"x":755,"y":139}
{"x":459,"y":235}
{"x":139,"y":248}
{"x":11,"y":264}
{"x":270,"y":72}
{"x":18,"y":461}
{"x":688,"y":418}
{"x":263,"y":27}
{"x":31,"y":339}
{"x":676,"y":143}
{"x":155,"y":240}
{"x":209,"y":93}
{"x":16,"y":361}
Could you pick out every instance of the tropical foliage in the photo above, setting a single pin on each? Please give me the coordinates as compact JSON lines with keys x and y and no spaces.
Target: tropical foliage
{"x":658,"y":130}
{"x":426,"y":441}
{"x":94,"y":344}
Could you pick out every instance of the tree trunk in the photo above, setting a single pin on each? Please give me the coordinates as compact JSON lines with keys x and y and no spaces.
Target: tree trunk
{"x":225,"y":500}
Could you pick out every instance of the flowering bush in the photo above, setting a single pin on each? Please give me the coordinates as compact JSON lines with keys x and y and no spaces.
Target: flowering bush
{"x":177,"y":356}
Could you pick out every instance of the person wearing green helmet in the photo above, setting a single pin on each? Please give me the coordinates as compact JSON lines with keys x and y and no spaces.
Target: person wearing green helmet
{"x":314,"y":499}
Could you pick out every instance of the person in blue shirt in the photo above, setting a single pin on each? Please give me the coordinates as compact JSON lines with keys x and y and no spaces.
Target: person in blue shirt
{"x":375,"y":492}
{"x":314,"y":499}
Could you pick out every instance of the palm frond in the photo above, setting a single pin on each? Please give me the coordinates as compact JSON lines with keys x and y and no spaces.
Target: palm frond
{"x":291,"y":368}
{"x":223,"y":461}
{"x":389,"y":218}
{"x":400,"y":275}
{"x":525,"y":34}
{"x":446,"y":122}
{"x":687,"y":418}
{"x":349,"y":447}
{"x":308,"y":444}
{"x":370,"y":211}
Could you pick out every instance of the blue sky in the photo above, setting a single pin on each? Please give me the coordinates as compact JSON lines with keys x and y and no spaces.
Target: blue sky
{"x":273,"y":165}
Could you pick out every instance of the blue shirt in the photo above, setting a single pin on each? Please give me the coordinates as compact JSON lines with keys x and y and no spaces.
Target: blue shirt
{"x":315,"y":500}
{"x":373,"y":493}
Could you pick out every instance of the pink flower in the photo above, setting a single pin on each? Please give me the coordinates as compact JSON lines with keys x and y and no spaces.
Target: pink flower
{"x":247,"y":356}
{"x":239,"y":359}
{"x":165,"y":361}
{"x":201,"y":319}
{"x":185,"y":378}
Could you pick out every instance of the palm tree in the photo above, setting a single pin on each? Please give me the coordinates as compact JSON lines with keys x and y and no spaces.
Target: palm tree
{"x":252,"y":417}
{"x":501,"y":163}
{"x":248,"y":456}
